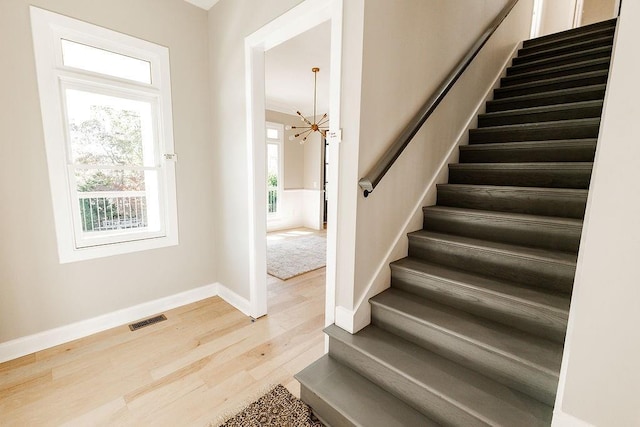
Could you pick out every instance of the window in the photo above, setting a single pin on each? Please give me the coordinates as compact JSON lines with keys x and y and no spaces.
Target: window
{"x":106,"y":109}
{"x":274,"y":134}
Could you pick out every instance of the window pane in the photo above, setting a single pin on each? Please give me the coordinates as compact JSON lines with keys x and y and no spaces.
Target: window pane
{"x":113,"y":200}
{"x":272,"y":133}
{"x":112,"y":212}
{"x":102,"y":61}
{"x":107,"y":130}
{"x":272,"y":165}
{"x":88,"y":180}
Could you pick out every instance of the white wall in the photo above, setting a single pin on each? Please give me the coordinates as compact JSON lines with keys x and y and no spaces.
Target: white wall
{"x":230,"y":21}
{"x":300,"y":203}
{"x":597,"y":10}
{"x":557,"y":15}
{"x":600,"y":377}
{"x":36,"y":292}
{"x":408,"y":51}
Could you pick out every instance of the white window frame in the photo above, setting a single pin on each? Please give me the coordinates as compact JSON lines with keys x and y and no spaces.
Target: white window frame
{"x":280,"y":143}
{"x":53,"y":77}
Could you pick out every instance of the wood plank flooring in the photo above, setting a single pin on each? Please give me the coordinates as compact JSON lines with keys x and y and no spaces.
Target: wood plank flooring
{"x":204,"y":362}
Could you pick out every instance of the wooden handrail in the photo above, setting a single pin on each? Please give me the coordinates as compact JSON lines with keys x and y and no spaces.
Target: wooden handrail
{"x":371,"y":179}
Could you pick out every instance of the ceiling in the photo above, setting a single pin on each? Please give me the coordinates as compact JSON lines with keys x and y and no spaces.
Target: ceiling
{"x":288,"y":75}
{"x":204,"y":4}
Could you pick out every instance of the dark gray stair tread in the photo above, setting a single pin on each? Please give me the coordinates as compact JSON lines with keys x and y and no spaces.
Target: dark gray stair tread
{"x":541,"y":312}
{"x":570,"y":150}
{"x":573,"y":32}
{"x":559,"y":49}
{"x":538,"y":174}
{"x":530,"y":266}
{"x":512,"y":357}
{"x":459,"y":395}
{"x":573,"y":110}
{"x":513,"y":76}
{"x":514,"y":228}
{"x":567,"y":202}
{"x":568,"y":58}
{"x":559,"y":129}
{"x":539,"y":298}
{"x":505,"y":249}
{"x":561,"y":96}
{"x":343,"y":397}
{"x":562,"y":82}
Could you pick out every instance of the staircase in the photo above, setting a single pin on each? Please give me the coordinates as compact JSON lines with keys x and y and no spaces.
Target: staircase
{"x":471,"y":330}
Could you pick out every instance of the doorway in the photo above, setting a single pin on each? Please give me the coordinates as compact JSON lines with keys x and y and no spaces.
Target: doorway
{"x":303,"y":17}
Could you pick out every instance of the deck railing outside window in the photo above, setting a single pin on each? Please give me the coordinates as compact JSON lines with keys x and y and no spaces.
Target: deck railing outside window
{"x":272,"y":199}
{"x":113,"y":210}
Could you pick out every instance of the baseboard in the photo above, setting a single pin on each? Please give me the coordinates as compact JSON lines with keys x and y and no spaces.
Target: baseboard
{"x":32,"y":343}
{"x":562,"y":419}
{"x":240,"y":303}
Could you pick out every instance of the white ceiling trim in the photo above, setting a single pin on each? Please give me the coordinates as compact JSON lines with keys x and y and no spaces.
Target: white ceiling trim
{"x":204,"y":4}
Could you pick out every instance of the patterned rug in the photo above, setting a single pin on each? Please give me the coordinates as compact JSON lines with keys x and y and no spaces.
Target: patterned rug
{"x":290,"y":258}
{"x":277,"y":408}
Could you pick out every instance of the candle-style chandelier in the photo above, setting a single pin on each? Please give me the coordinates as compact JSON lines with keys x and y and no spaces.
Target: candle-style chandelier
{"x":320,"y":126}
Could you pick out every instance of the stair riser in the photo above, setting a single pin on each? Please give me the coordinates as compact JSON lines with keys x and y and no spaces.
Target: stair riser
{"x":558,"y":178}
{"x":540,"y":52}
{"x":586,"y":30}
{"x":535,"y":133}
{"x":541,"y":116}
{"x":563,"y":153}
{"x":569,"y":59}
{"x":487,"y":198}
{"x":327,"y":414}
{"x":561,"y":58}
{"x":537,"y":235}
{"x":536,"y":45}
{"x":552,"y":72}
{"x":505,"y":370}
{"x":529,"y":271}
{"x":418,"y":397}
{"x":547,"y":324}
{"x":511,"y":91}
{"x":554,"y":98}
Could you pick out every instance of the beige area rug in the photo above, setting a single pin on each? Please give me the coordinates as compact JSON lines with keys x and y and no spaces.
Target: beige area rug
{"x":292,"y":257}
{"x":277,"y":408}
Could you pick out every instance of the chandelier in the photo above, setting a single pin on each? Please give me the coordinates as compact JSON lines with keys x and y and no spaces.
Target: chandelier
{"x":320,"y":126}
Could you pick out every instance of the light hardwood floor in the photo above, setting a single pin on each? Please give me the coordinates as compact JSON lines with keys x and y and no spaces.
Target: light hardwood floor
{"x":201,"y":364}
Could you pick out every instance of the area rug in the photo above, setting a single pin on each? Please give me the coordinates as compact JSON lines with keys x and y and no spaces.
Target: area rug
{"x":277,"y":408}
{"x":290,"y":258}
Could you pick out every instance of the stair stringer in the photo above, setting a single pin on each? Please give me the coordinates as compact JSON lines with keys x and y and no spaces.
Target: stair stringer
{"x":353,"y":320}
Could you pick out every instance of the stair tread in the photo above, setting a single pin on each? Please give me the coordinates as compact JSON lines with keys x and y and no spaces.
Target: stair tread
{"x":528,"y":350}
{"x":550,"y":94}
{"x":524,"y":145}
{"x":552,"y":124}
{"x":545,"y":109}
{"x":542,"y":221}
{"x":534,"y":297}
{"x":513,"y":75}
{"x":543,"y":255}
{"x":356,"y":398}
{"x":577,"y":44}
{"x":587,"y":34}
{"x":560,"y":58}
{"x":579,"y":192}
{"x":485,"y":399}
{"x":524,"y":166}
{"x":552,"y":80}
